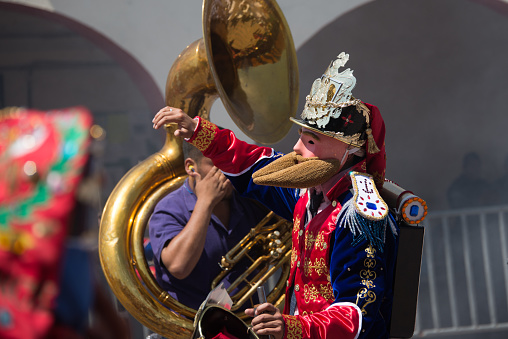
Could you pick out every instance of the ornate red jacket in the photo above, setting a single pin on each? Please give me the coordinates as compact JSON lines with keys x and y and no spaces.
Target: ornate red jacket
{"x":341,"y":270}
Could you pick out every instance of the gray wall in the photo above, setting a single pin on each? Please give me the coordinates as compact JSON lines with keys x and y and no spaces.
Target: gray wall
{"x":437,"y":69}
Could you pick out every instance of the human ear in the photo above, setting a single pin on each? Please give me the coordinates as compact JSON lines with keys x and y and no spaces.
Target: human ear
{"x":190,"y":166}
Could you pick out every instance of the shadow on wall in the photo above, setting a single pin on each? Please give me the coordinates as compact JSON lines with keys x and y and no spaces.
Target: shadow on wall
{"x":48,"y":61}
{"x":437,"y":71}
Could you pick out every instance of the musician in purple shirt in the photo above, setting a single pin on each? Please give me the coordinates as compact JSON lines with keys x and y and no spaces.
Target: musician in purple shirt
{"x":193,"y":227}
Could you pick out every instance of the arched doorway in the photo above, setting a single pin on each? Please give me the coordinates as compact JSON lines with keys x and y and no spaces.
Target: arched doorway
{"x":49,"y":61}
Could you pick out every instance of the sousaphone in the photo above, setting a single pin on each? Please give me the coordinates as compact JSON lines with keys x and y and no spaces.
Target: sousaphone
{"x":247,"y":58}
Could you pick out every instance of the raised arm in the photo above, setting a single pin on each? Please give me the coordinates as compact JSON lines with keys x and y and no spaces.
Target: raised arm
{"x":236,"y":158}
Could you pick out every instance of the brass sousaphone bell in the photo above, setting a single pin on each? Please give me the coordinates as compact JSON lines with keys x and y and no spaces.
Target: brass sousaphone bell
{"x":247,"y":58}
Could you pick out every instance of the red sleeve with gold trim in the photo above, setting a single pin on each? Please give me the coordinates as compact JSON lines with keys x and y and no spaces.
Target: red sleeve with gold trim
{"x":231,"y":155}
{"x":238,"y":160}
{"x":340,"y":320}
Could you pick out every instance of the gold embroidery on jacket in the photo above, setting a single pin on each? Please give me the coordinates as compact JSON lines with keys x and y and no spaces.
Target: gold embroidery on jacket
{"x":364,"y":166}
{"x":369,"y":297}
{"x":296,"y":224}
{"x":319,"y":266}
{"x":309,"y":240}
{"x":326,"y":291}
{"x":296,"y":229}
{"x":294,"y":256}
{"x":368,"y":276}
{"x":318,"y":243}
{"x":371,"y":252}
{"x":205,"y":136}
{"x":369,"y":263}
{"x":310,"y":293}
{"x":293,"y":327}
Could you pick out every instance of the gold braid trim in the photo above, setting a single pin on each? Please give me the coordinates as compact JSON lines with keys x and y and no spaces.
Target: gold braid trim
{"x":205,"y":135}
{"x":294,"y":328}
{"x":368,"y":276}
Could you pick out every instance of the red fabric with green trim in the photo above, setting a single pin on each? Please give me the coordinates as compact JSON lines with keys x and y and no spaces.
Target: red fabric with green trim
{"x":41,"y":159}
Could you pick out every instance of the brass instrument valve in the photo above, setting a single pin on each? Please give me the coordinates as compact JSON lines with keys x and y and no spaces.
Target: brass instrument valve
{"x":225,"y":264}
{"x":275,"y":245}
{"x":276,"y":253}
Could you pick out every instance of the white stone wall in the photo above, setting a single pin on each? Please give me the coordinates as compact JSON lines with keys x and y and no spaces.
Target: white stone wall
{"x":156,"y":31}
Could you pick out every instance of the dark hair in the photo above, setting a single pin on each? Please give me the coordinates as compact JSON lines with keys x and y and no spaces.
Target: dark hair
{"x":189,"y":151}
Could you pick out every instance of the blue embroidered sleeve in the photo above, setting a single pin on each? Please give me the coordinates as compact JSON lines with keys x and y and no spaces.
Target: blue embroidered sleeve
{"x":362,"y":273}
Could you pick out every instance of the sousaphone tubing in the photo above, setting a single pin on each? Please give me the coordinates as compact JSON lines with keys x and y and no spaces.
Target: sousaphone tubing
{"x":246,"y":58}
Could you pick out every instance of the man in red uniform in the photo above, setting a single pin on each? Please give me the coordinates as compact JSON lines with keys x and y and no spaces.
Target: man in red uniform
{"x":344,"y":239}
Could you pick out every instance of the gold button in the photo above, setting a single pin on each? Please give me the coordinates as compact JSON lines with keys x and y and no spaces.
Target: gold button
{"x":297,"y":288}
{"x":334,"y":203}
{"x":300,"y":233}
{"x":298,"y":263}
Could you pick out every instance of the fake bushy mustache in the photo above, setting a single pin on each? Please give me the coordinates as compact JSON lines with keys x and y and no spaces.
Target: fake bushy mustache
{"x":294,"y":171}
